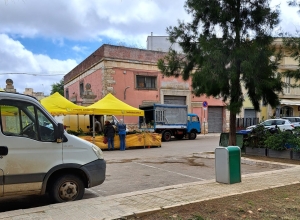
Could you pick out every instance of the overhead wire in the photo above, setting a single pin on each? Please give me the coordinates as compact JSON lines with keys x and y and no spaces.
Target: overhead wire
{"x":33,"y":74}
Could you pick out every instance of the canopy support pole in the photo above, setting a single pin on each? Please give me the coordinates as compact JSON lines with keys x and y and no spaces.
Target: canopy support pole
{"x":93,"y":129}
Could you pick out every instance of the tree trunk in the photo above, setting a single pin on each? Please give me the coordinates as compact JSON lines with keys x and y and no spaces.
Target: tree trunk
{"x":232,"y":129}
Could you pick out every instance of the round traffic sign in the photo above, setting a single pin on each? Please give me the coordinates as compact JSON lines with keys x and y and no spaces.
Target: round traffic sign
{"x":204,"y":104}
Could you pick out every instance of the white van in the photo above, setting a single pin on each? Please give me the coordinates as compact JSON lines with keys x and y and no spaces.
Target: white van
{"x":37,"y":156}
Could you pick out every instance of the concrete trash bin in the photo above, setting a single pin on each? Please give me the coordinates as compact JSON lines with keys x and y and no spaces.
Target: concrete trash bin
{"x":228,"y":164}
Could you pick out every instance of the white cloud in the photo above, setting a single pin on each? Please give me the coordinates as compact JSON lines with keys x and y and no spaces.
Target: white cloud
{"x":26,"y":69}
{"x":78,"y":48}
{"x":127,"y":22}
{"x":86,"y":20}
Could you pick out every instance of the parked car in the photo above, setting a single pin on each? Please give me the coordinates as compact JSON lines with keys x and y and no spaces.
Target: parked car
{"x":282,"y":124}
{"x":294,"y":120}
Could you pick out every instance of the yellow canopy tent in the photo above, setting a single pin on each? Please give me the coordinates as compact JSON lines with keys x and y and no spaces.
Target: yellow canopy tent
{"x":56,"y":104}
{"x":110,"y":105}
{"x":8,"y":111}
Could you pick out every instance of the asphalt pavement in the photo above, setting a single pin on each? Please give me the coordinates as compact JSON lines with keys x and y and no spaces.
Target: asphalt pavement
{"x":150,"y":200}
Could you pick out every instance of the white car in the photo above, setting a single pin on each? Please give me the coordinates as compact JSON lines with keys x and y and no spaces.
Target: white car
{"x":294,"y":120}
{"x":282,"y":124}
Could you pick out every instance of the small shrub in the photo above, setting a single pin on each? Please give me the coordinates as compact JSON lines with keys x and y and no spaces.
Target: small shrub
{"x":79,"y":132}
{"x":282,"y":140}
{"x":76,"y":133}
{"x":275,"y":139}
{"x":134,"y":132}
{"x":257,"y":137}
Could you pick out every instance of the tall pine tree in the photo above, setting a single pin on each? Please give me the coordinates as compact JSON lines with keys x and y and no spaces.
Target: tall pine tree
{"x":227,"y":46}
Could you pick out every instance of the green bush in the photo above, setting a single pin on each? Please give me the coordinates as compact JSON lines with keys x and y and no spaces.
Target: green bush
{"x":260,"y":137}
{"x":282,"y":140}
{"x":256,"y":138}
{"x":76,"y":133}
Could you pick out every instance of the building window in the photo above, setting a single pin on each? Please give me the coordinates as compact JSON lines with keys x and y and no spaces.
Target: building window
{"x":286,"y":111}
{"x":287,"y":89}
{"x":146,"y":82}
{"x":81,"y":89}
{"x":67,"y":93}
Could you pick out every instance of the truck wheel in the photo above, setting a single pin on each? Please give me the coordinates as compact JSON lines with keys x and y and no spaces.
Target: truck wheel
{"x":192,"y":135}
{"x":166,"y":136}
{"x":67,"y":188}
{"x":179,"y":136}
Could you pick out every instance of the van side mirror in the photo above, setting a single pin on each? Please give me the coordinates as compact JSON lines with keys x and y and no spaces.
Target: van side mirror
{"x":59,"y":133}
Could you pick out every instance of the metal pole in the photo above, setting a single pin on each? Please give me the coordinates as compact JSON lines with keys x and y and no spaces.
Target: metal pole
{"x":144,"y":132}
{"x":93,"y":128}
{"x":204,"y":119}
{"x":77,"y":122}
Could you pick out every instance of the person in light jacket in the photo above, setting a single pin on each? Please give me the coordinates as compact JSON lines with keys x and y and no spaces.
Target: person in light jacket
{"x":122,"y":134}
{"x":98,"y":127}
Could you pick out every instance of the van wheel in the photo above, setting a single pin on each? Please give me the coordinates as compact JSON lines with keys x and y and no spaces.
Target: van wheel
{"x":192,"y":135}
{"x":166,"y":136}
{"x":67,"y":188}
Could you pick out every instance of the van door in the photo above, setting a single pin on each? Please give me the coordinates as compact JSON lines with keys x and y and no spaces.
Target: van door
{"x":29,"y":135}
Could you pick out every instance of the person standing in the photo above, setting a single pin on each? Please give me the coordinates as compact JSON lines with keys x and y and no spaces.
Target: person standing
{"x":98,"y":127}
{"x":122,"y":134}
{"x":109,"y":133}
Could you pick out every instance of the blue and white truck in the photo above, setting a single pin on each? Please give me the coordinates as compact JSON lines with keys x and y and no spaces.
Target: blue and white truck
{"x":171,"y":120}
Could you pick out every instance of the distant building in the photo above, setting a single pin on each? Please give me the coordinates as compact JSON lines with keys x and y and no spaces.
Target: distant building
{"x":37,"y":95}
{"x":161,"y":43}
{"x":132,"y":76}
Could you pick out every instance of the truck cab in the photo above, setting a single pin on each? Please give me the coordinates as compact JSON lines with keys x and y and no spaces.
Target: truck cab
{"x":193,"y":125}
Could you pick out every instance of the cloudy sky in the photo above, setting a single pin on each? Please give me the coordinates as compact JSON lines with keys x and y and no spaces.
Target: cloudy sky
{"x":41,"y":41}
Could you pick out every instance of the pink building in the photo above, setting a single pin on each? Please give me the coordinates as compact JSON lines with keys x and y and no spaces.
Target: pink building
{"x":133,"y":77}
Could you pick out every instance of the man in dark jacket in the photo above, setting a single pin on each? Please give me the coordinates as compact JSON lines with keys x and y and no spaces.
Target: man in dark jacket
{"x":109,"y":133}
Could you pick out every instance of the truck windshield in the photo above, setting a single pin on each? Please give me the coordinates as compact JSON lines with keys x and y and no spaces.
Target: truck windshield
{"x":193,"y":118}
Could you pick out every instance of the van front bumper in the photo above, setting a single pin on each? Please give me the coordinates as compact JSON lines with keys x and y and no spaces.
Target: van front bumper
{"x":95,"y":172}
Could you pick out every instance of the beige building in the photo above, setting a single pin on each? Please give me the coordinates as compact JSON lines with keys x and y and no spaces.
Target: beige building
{"x":289,"y":99}
{"x":37,"y":95}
